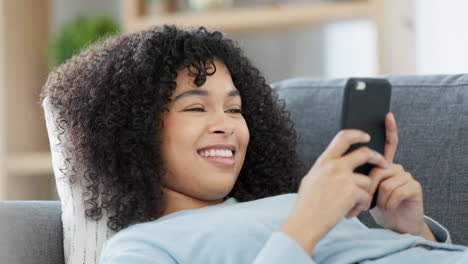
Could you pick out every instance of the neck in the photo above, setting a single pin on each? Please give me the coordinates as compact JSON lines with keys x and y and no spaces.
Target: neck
{"x":175,"y":201}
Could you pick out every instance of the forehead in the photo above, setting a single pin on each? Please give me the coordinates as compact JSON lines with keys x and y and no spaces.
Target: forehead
{"x":219,"y":82}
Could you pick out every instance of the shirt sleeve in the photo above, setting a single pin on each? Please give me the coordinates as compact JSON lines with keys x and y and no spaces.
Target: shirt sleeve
{"x":280,"y":248}
{"x":440,"y":232}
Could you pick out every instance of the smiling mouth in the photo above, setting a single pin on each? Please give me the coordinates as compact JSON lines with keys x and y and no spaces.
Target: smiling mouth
{"x":223,"y":153}
{"x":220,"y":161}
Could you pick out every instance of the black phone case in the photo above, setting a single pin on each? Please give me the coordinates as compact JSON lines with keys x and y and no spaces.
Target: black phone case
{"x":365,"y":110}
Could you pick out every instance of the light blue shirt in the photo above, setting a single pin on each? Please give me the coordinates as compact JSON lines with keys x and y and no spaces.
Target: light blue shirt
{"x":247,"y":232}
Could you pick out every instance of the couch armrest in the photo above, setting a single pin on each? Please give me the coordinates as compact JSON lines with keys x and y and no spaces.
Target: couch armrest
{"x":31,"y":232}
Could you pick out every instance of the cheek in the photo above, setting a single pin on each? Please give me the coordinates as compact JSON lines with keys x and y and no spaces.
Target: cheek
{"x":180,"y":134}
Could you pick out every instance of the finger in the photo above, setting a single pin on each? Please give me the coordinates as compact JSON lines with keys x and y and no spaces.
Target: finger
{"x":342,"y":141}
{"x":353,"y":212}
{"x":362,"y":181}
{"x":362,"y":203}
{"x":362,"y":155}
{"x":407,"y":191}
{"x":391,"y":137}
{"x":387,"y":187}
{"x":377,"y":175}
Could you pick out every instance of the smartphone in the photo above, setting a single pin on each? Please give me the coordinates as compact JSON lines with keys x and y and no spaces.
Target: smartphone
{"x":366,"y":101}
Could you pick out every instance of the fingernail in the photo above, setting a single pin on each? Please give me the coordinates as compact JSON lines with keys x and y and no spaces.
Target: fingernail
{"x":377,"y":154}
{"x":367,"y":137}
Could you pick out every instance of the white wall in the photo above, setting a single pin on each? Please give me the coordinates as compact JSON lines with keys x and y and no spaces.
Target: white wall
{"x":441,"y":36}
{"x":350,"y":49}
{"x":422,"y":37}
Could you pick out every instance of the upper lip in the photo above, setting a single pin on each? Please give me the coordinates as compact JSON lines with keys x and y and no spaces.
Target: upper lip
{"x":218,"y":146}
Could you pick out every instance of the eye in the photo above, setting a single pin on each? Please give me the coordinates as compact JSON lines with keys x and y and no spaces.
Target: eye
{"x":236,"y":111}
{"x":196,"y":109}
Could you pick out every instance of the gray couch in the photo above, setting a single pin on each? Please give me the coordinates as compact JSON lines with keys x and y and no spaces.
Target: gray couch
{"x":432,"y":115}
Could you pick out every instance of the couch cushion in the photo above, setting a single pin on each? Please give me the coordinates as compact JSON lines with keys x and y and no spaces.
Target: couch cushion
{"x":31,"y":232}
{"x":432,"y":118}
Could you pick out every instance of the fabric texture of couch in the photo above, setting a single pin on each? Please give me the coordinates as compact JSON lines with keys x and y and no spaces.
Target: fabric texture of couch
{"x":432,"y":118}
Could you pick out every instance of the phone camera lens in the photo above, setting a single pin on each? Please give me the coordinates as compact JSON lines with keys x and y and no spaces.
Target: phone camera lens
{"x":360,"y":85}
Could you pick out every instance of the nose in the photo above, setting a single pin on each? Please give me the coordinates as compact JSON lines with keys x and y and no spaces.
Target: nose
{"x":222,"y":123}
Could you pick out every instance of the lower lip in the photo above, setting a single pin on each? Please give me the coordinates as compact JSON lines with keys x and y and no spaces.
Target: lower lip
{"x":221,"y":161}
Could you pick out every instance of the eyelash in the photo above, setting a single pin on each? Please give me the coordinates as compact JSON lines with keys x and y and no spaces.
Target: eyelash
{"x":238,"y":111}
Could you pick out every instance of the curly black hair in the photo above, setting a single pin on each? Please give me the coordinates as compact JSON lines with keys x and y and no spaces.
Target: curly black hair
{"x":109,"y":99}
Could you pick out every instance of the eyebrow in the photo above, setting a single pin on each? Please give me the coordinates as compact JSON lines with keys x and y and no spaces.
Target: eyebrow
{"x":202,"y":93}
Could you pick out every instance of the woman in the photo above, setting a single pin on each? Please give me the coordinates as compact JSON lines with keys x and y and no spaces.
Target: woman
{"x":193,"y":155}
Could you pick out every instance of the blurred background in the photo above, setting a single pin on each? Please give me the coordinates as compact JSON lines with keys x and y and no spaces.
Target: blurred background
{"x":284,"y":38}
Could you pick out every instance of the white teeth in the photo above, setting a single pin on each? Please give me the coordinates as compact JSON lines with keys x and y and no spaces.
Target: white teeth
{"x":216,"y":153}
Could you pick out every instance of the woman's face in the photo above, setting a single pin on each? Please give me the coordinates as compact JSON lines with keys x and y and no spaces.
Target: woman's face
{"x":200,"y":131}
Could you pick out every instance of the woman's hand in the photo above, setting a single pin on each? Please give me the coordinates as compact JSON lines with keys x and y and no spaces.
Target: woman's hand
{"x":332,"y":190}
{"x":399,"y":204}
{"x":400,"y":201}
